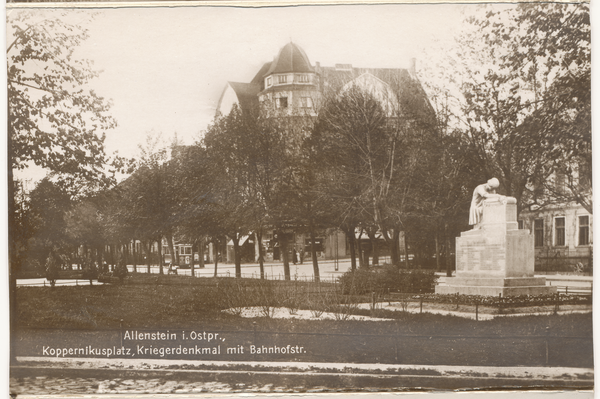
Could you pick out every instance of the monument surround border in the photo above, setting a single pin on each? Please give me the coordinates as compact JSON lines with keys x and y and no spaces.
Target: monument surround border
{"x":496,"y":259}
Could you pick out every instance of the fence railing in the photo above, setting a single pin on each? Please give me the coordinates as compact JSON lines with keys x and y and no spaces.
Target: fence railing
{"x":65,"y":282}
{"x":453,"y":304}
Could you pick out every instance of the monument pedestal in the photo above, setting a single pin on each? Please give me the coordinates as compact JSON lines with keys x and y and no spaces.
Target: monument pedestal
{"x":496,"y":259}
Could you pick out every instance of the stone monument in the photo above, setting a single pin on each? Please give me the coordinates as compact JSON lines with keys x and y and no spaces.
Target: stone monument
{"x":495,"y":258}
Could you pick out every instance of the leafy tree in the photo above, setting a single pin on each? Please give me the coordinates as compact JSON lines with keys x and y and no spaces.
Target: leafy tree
{"x":195,"y":212}
{"x":564,"y":115}
{"x":48,"y":208}
{"x":54,"y":120}
{"x":378,"y":152}
{"x":523,"y":73}
{"x":234,"y":200}
{"x":259,"y":157}
{"x":353,"y":143}
{"x":84,"y":227}
{"x":284,"y":172}
{"x":147,"y":201}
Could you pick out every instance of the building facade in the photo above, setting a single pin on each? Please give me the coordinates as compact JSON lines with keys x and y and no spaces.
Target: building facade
{"x":563,"y":238}
{"x":292,"y":86}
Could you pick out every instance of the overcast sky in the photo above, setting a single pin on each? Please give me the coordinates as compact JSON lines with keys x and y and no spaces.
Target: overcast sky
{"x":165,"y":68}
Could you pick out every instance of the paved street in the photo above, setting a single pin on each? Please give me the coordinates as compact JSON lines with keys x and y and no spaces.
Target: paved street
{"x":273,"y":270}
{"x":329,"y":270}
{"x":42,"y":282}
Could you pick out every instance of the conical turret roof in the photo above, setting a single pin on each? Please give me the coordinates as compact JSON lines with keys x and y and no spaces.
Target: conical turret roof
{"x":291,"y":58}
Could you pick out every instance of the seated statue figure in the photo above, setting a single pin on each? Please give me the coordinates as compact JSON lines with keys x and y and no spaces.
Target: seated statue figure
{"x":480,"y":194}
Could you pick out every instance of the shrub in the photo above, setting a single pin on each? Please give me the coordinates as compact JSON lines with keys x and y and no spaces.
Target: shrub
{"x":268,"y":297}
{"x":232,"y":296}
{"x":120,"y":271}
{"x":387,"y":279}
{"x":90,"y":272}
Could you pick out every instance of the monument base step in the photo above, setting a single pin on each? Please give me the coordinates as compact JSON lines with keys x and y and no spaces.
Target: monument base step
{"x":487,"y":290}
{"x":477,"y":280}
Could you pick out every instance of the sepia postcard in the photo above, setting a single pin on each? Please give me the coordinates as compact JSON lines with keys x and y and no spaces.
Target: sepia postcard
{"x":234,"y":198}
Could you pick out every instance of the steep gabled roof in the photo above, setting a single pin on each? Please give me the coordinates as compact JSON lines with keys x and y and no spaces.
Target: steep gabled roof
{"x":247,"y":93}
{"x":259,"y":77}
{"x":411,"y":96}
{"x":244,"y":94}
{"x":291,"y":58}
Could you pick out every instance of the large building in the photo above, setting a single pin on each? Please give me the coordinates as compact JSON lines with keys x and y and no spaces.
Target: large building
{"x":293,"y":86}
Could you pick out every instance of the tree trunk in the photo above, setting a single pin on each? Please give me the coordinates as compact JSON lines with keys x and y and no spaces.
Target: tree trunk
{"x":134,"y":256}
{"x":111,"y":258}
{"x":438,"y":264}
{"x":101,"y":258}
{"x":359,"y":250}
{"x":174,"y":260}
{"x":261,"y":260}
{"x":283,"y":244}
{"x":237,"y":256}
{"x":395,"y":247}
{"x":146,"y":248}
{"x":406,"y":260}
{"x":84,"y":257}
{"x":374,"y":248}
{"x":13,"y":255}
{"x":160,"y":256}
{"x":448,"y":260}
{"x":352,"y":244}
{"x":313,"y":253}
{"x":113,"y":254}
{"x":201,"y":247}
{"x":123,"y":252}
{"x":192,"y":257}
{"x":216,"y":253}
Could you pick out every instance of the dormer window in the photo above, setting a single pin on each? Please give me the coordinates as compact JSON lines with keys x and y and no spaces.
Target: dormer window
{"x":303,"y":78}
{"x":282,"y":79}
{"x":269,"y":81}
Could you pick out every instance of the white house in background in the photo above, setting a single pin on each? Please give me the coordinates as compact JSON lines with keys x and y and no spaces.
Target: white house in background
{"x":563,"y":233}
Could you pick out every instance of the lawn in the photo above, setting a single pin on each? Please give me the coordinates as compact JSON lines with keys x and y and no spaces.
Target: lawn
{"x":99,"y":314}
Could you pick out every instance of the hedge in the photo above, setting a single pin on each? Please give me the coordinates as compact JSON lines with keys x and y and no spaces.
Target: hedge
{"x":387,"y":279}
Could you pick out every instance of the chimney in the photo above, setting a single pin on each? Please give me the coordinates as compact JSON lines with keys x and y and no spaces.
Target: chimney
{"x":412,"y":69}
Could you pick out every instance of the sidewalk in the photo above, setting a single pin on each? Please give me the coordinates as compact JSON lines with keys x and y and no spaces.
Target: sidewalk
{"x":547,"y":373}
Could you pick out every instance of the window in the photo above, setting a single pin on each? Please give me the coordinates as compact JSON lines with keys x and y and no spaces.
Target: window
{"x":584,"y":230}
{"x":538,"y":232}
{"x":307,"y":102}
{"x":282,"y":102}
{"x":303,"y":78}
{"x":584,"y":174}
{"x":520,"y":222}
{"x":269,"y":81}
{"x":560,"y":181}
{"x":282,"y":79}
{"x":559,"y":231}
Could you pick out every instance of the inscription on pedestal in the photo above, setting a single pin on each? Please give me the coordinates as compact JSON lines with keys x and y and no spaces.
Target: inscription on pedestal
{"x":478,"y":254}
